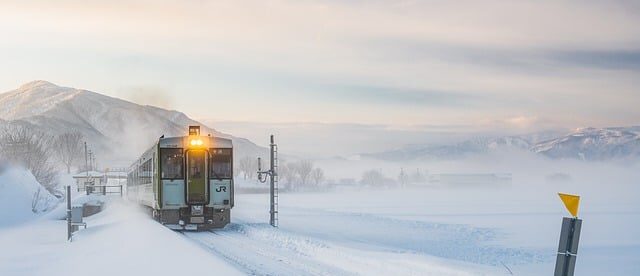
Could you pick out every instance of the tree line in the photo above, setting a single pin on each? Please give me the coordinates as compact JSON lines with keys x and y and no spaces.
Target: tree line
{"x":375,"y":178}
{"x":292,"y":176}
{"x":42,"y":154}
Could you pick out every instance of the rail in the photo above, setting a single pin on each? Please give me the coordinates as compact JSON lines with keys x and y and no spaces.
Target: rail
{"x":101,"y":189}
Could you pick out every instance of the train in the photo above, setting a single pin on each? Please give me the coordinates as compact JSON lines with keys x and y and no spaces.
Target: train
{"x":186,"y":182}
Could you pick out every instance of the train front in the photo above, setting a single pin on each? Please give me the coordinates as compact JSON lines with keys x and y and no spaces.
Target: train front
{"x":196,"y":174}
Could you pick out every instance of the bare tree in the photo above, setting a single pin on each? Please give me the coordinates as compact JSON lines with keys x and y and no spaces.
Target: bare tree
{"x":236,"y":169}
{"x":68,"y":147}
{"x":285,"y":175}
{"x":248,"y":167}
{"x":317,"y":176}
{"x":403,"y":178}
{"x":31,"y":149}
{"x":375,"y":178}
{"x":244,"y":166}
{"x":372,"y":178}
{"x":303,"y":170}
{"x":418,"y":177}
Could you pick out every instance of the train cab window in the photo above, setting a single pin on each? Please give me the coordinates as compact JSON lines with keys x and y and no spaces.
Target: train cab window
{"x":220,"y":166}
{"x":197,"y":176}
{"x":196,"y":164}
{"x":172,"y":161}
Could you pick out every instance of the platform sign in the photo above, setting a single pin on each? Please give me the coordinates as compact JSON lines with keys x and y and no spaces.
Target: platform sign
{"x":569,"y":237}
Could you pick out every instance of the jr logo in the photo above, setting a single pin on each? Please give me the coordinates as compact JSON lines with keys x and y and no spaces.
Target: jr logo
{"x":221,"y":189}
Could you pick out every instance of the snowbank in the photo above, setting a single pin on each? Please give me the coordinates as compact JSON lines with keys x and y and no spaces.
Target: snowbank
{"x":22,"y":198}
{"x":122,"y":240}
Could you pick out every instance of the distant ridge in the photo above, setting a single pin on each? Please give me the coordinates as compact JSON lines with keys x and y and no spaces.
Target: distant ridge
{"x":590,"y":144}
{"x":594,"y":144}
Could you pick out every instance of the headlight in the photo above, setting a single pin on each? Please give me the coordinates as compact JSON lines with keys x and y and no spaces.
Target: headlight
{"x":196,"y":142}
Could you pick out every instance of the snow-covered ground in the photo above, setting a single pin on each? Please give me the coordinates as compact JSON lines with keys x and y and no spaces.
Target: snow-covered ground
{"x":493,"y":228}
{"x":122,"y":240}
{"x":416,"y":231}
{"x":259,"y":249}
{"x":22,"y":198}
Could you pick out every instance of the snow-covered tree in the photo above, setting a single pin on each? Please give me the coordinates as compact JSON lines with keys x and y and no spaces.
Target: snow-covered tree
{"x":403,"y":178}
{"x":68,"y":148}
{"x":33,"y":150}
{"x":303,"y":170}
{"x":248,"y":167}
{"x":317,"y":176}
{"x":375,"y":178}
{"x":286,"y":175}
{"x":418,"y":178}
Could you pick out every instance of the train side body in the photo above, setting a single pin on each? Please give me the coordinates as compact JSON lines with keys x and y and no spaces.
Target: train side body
{"x":186,"y":181}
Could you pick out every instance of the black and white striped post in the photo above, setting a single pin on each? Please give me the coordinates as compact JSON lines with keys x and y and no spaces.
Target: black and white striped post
{"x":569,"y":237}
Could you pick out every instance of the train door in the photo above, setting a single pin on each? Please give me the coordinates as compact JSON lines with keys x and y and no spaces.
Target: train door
{"x":197,"y":177}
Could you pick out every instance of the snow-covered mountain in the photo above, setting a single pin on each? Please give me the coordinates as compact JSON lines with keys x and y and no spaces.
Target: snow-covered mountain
{"x":116,"y":129}
{"x":594,"y":144}
{"x":479,"y":145}
{"x":586,"y":144}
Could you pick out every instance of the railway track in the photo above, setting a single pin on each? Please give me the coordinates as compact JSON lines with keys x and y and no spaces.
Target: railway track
{"x":261,"y":250}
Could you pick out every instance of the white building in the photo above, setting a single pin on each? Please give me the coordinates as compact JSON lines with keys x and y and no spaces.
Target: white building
{"x":90,"y":178}
{"x":110,"y":181}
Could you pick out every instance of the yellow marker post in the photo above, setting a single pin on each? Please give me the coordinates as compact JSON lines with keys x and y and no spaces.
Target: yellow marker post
{"x":569,"y":237}
{"x":572,"y":202}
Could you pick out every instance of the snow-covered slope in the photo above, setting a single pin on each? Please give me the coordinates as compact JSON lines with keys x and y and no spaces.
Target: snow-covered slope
{"x":112,"y":125}
{"x":586,"y":144}
{"x":22,"y":198}
{"x":594,"y":144}
{"x":454,"y":151}
{"x":122,"y":240}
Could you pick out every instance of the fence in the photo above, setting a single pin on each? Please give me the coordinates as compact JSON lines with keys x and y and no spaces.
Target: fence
{"x":101,"y":189}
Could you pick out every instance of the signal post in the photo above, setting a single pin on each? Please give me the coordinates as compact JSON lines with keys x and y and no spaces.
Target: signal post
{"x":272,"y":173}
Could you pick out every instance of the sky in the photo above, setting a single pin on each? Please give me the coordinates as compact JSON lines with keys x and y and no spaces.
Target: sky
{"x":511,"y":66}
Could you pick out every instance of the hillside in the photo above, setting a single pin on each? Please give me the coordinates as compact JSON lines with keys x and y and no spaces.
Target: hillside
{"x":116,"y":129}
{"x":594,"y":144}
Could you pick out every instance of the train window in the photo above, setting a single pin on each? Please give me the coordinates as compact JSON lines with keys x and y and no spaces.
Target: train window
{"x":196,"y":164}
{"x":220,"y":163}
{"x":146,"y":172}
{"x":172,"y":163}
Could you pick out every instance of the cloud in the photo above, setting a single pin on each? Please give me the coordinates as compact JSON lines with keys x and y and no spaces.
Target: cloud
{"x":404,"y":96}
{"x":402,"y":62}
{"x":605,"y":59}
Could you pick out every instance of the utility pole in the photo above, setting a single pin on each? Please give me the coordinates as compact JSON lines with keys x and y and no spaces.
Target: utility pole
{"x":86,"y":162}
{"x":90,"y":160}
{"x":86,"y":169}
{"x":68,"y":213}
{"x":272,"y":173}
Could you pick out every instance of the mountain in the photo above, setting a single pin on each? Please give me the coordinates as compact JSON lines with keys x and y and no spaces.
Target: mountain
{"x":593,"y":144}
{"x":117,"y":130}
{"x":479,"y":145}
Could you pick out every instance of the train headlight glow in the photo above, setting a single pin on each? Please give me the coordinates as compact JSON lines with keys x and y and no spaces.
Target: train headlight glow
{"x":196,"y":142}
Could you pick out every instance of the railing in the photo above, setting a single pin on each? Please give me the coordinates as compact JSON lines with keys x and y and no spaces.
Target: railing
{"x":101,"y":189}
